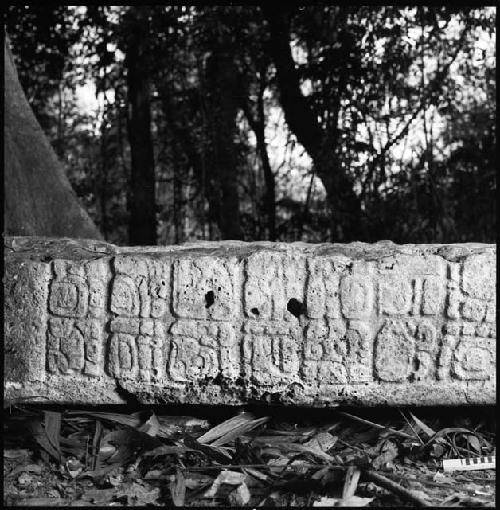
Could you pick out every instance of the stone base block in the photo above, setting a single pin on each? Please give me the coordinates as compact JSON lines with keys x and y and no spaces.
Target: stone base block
{"x":234,"y":323}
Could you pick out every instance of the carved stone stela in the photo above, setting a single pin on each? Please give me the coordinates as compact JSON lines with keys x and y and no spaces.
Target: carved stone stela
{"x":359,"y":323}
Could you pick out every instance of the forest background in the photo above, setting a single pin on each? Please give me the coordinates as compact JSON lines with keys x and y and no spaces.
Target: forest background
{"x":319,"y":123}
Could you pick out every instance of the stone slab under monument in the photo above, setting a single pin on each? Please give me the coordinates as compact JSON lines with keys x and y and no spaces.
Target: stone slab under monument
{"x":234,"y":323}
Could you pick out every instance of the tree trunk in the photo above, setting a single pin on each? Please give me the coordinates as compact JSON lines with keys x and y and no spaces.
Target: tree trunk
{"x":344,"y":204}
{"x":222,"y":81}
{"x":258,"y":125}
{"x":142,"y":207}
{"x":177,"y":213}
{"x":179,"y":124}
{"x":270,"y":196}
{"x":346,"y":221}
{"x":102,"y":180}
{"x":39,"y":200}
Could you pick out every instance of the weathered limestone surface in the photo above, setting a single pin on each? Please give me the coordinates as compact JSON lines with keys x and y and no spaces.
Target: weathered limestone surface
{"x":234,"y":322}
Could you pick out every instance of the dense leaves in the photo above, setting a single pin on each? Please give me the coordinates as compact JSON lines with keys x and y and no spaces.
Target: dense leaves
{"x":314,"y":123}
{"x":319,"y":458}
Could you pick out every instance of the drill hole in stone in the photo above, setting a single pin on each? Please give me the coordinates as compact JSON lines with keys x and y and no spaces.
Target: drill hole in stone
{"x":294,"y":306}
{"x":255,"y":311}
{"x":209,"y":299}
{"x":416,"y":365}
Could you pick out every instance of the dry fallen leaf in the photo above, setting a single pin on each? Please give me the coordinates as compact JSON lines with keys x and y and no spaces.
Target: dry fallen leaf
{"x":388,"y":452}
{"x":352,"y":501}
{"x":28,"y":468}
{"x":99,"y":496}
{"x":225,"y":478}
{"x":39,"y":434}
{"x":151,"y":426}
{"x":229,"y":430}
{"x":422,"y":426}
{"x":440,"y":477}
{"x":282,"y":458}
{"x":16,"y":453}
{"x":322,"y":441}
{"x":73,"y":467}
{"x":178,"y":489}
{"x":474,"y":442}
{"x":24,"y":479}
{"x":45,"y":502}
{"x":138,"y":495}
{"x":351,"y":482}
{"x":240,"y":496}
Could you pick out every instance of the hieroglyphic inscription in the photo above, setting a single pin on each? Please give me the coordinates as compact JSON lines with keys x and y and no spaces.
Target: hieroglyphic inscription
{"x":322,"y":290}
{"x":75,"y":346}
{"x":412,"y":293}
{"x":137,"y":349}
{"x":337,"y":353}
{"x":272,"y":281}
{"x":77,"y":302}
{"x":207,"y":288}
{"x":202,"y":349}
{"x":271,"y":352}
{"x":469,"y":337}
{"x":357,"y":292}
{"x":140,"y":300}
{"x":471,"y":290}
{"x":272,"y":317}
{"x":468,"y":352}
{"x":325,"y":352}
{"x":141,"y":287}
{"x":410,"y":287}
{"x":406,"y":350}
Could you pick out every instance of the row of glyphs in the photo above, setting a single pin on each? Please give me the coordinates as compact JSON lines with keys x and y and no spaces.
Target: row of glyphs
{"x":164,"y":320}
{"x":212,"y":289}
{"x":261,"y":287}
{"x":324,"y":352}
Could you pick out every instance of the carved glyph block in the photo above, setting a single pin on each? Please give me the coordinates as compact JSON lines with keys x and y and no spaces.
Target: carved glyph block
{"x":471,"y":288}
{"x":76,"y":329}
{"x":141,"y":287}
{"x":75,"y":346}
{"x":137,"y":349}
{"x":468,"y":352}
{"x":271,"y":353}
{"x":406,"y":350}
{"x":409,"y":286}
{"x":200,"y":350}
{"x":273,"y":280}
{"x":228,"y":322}
{"x":337,"y":353}
{"x":207,"y":288}
{"x":322,"y":291}
{"x":357,"y":291}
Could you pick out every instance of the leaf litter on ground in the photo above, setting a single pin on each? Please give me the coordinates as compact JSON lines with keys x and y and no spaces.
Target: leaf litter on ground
{"x":143,"y":458}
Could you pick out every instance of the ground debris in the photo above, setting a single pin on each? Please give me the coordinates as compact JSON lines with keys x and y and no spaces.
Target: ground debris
{"x":259,"y":458}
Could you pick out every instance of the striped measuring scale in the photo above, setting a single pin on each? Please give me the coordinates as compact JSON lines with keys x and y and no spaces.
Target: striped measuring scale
{"x":469,"y":464}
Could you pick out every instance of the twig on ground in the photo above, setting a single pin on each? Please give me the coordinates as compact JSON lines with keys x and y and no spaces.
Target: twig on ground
{"x":411,"y":426}
{"x":395,"y":488}
{"x":356,"y":448}
{"x":376,"y":425}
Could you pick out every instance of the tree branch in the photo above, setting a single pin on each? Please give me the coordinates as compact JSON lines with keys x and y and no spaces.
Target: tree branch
{"x":424,"y":98}
{"x":298,"y":114}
